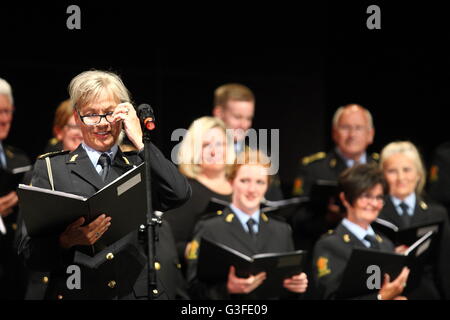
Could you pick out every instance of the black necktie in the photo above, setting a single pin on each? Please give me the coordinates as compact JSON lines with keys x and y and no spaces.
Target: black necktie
{"x":104,"y":162}
{"x":373,"y":241}
{"x":405,"y":216}
{"x":250,"y":224}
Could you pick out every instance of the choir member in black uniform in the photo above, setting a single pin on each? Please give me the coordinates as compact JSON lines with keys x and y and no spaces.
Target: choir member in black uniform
{"x":102,"y":109}
{"x":352,"y":132}
{"x":243,"y":227}
{"x":234,"y":104}
{"x":406,"y":207}
{"x":11,"y":160}
{"x":362,"y":193}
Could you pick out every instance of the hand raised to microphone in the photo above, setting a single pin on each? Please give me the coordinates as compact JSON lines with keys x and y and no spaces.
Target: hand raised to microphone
{"x":125,"y":112}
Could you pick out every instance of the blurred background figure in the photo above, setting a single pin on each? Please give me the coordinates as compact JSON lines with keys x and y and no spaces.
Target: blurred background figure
{"x":243,"y":227}
{"x":362,"y":194}
{"x":352,"y":132}
{"x":66,"y":133}
{"x":406,"y":207}
{"x":12,"y":161}
{"x":439,"y":176}
{"x":202,"y":158}
{"x":234,"y":104}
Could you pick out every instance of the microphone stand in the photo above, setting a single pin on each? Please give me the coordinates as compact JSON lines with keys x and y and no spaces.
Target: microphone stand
{"x":148,"y":234}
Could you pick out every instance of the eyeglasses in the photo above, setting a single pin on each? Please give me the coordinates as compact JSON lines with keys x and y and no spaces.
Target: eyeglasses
{"x":348,"y":128}
{"x":368,"y":197}
{"x":6,"y":112}
{"x":93,"y":119}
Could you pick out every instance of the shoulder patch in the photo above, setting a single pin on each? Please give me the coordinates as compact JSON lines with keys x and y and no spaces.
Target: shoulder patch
{"x":192,"y":250}
{"x":375,"y":156}
{"x":434,"y":170}
{"x":298,"y":187}
{"x":322,"y":267}
{"x":52,"y":154}
{"x":317,"y":156}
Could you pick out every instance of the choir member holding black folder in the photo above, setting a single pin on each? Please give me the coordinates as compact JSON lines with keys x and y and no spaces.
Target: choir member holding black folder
{"x":119,"y":270}
{"x":362,"y":193}
{"x":406,"y":209}
{"x":245,"y":229}
{"x":14,"y":163}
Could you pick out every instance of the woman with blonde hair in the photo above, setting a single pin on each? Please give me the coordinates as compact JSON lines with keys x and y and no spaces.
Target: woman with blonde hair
{"x":203,"y":157}
{"x":245,"y":228}
{"x":405,"y":207}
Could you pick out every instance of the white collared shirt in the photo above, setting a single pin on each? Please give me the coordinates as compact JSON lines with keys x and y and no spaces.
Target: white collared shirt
{"x":358,"y":231}
{"x":410,"y":201}
{"x":94,"y":155}
{"x":350,"y":162}
{"x":243,"y":218}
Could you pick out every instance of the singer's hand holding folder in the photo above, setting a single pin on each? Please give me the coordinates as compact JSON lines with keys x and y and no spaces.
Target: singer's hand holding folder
{"x":356,"y":274}
{"x":46,"y":212}
{"x":215,"y":259}
{"x":406,"y":236}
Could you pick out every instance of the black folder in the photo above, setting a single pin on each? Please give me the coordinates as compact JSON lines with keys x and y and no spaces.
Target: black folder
{"x":284,"y":208}
{"x":320,"y":194}
{"x":356,"y":274}
{"x":406,"y":236}
{"x":215,"y":259}
{"x":10,"y":179}
{"x":46,"y":212}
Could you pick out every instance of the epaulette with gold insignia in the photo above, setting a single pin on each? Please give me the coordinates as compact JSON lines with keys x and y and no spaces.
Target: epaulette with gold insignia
{"x":53,"y":141}
{"x":229,"y":218}
{"x":52,"y":154}
{"x":375,"y":156}
{"x":317,"y":156}
{"x":423,"y":205}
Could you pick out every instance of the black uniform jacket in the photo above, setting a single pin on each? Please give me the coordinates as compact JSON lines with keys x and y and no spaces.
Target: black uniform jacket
{"x":273,"y":236}
{"x":11,"y":273}
{"x":435,"y":282}
{"x":331,"y":255}
{"x":120,"y":270}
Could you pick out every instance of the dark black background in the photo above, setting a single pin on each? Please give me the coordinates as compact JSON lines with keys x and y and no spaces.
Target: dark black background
{"x":301,"y":61}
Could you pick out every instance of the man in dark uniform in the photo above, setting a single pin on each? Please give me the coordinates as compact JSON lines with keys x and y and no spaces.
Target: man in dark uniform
{"x":243,"y":227}
{"x":234,"y":104}
{"x":362,"y":195}
{"x":119,"y":271}
{"x":13,"y":162}
{"x":352,"y":132}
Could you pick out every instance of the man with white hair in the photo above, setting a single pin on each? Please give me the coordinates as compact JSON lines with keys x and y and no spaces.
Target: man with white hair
{"x":11,"y":160}
{"x":352,"y":132}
